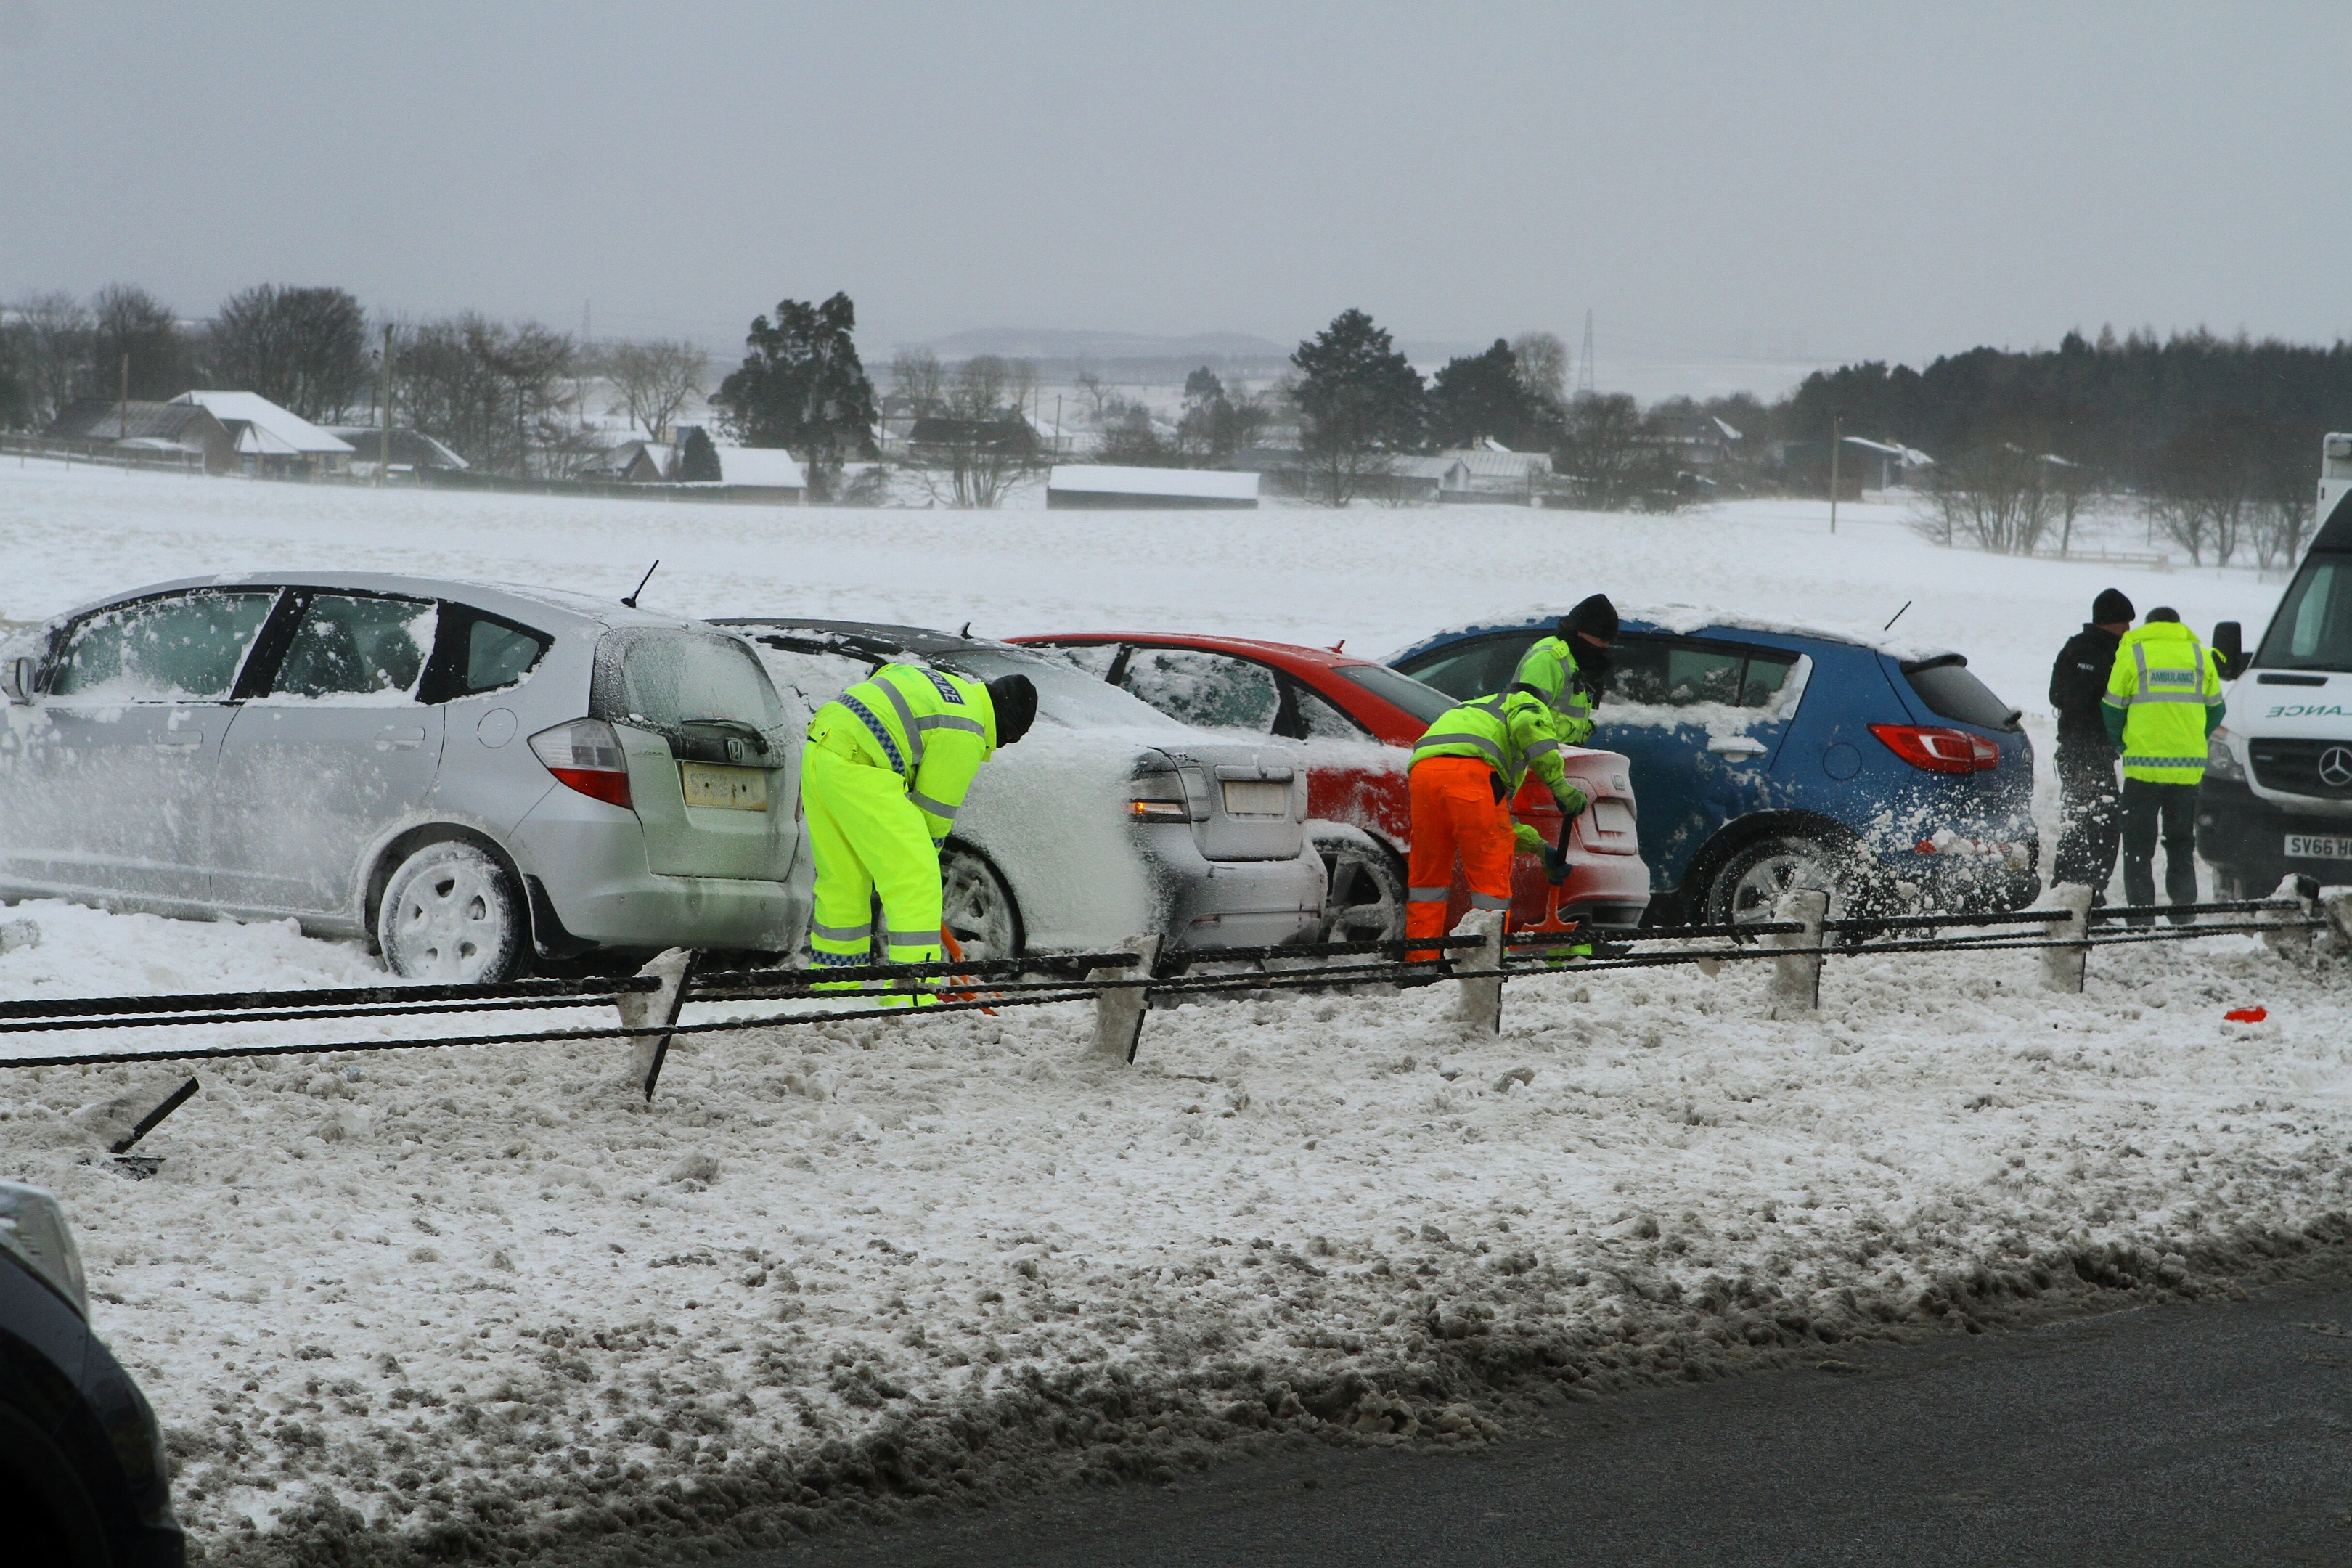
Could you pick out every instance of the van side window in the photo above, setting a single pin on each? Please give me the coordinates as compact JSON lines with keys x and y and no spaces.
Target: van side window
{"x":477,"y":652}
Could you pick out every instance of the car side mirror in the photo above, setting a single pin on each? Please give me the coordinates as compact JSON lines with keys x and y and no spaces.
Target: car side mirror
{"x":16,"y":679}
{"x":2230,"y":642}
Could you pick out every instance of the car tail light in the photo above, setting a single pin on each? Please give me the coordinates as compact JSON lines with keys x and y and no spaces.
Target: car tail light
{"x":585,"y":755}
{"x":1938,"y":750}
{"x":1158,"y":797}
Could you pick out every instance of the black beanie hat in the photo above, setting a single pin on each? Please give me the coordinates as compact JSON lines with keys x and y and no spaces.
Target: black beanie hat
{"x":1594,"y":616}
{"x":2110,"y":607}
{"x":1016,"y":701}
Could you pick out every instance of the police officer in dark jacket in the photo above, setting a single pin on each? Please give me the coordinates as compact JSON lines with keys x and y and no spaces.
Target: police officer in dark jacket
{"x":2086,"y":756}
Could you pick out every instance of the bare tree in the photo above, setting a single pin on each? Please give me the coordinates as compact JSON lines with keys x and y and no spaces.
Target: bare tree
{"x":983,"y":447}
{"x":2284,"y":486}
{"x":132,"y":327}
{"x":52,"y":334}
{"x":303,"y":349}
{"x":1610,"y":458}
{"x":1542,"y":368}
{"x":915,"y":376}
{"x":1095,"y":392}
{"x":1997,"y":494}
{"x":2204,"y":484}
{"x":497,"y":394}
{"x":655,"y":380}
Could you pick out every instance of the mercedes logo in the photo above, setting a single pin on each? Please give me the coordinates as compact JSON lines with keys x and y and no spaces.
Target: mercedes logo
{"x":2336,"y":766}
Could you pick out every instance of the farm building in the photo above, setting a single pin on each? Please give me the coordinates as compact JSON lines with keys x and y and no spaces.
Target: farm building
{"x":1096,"y":486}
{"x":100,"y":423}
{"x":270,"y":439}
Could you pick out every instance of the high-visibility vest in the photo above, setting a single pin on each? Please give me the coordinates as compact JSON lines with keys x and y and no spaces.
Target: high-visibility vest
{"x":2165,"y":680}
{"x":930,"y":727}
{"x":1548,"y":670}
{"x":1511,"y":733}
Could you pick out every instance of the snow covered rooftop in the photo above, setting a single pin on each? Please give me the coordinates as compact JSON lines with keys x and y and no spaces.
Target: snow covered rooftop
{"x":761,"y":465}
{"x":1094,"y":478}
{"x":274,"y":430}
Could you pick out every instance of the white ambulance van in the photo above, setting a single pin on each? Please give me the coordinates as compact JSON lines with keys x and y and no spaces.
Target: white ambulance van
{"x":2277,"y":795}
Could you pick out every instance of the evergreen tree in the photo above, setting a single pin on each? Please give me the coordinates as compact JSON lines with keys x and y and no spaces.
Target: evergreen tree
{"x":802,"y":386}
{"x":1359,"y":403}
{"x":1484,"y":395}
{"x":697,"y":459}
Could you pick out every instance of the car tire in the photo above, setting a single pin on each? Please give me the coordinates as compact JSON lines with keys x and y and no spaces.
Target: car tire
{"x":1749,"y":884}
{"x":1364,"y":896}
{"x":452,"y":915}
{"x":976,"y":906}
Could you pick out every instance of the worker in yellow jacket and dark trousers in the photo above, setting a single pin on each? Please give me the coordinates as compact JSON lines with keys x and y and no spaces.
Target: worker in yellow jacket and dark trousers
{"x":1466,"y":769}
{"x":885,"y":771}
{"x":2164,"y":698}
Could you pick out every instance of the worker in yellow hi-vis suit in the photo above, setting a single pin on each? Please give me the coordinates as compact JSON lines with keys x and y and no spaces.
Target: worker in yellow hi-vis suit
{"x":885,"y":771}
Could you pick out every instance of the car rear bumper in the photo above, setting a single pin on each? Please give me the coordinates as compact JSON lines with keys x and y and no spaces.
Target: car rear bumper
{"x":1960,"y":880}
{"x":1209,"y":904}
{"x":590,"y":861}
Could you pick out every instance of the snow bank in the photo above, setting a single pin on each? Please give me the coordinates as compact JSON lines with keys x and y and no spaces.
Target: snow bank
{"x":485,"y":1294}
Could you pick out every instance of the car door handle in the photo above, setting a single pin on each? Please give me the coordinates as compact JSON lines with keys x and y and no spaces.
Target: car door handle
{"x":405,"y":739}
{"x":180,"y":739}
{"x":1737,"y":748}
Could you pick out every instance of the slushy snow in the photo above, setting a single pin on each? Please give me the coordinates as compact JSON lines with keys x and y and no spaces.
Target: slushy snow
{"x":485,"y":1297}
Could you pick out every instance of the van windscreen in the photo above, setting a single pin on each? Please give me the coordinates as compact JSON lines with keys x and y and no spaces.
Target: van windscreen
{"x":2313,"y":628}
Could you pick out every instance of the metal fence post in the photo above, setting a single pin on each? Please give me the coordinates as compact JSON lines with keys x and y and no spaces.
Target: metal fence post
{"x":654,"y":1010}
{"x":2290,"y":937}
{"x":2337,"y":902}
{"x":1119,"y":1012}
{"x":1796,"y":984}
{"x":1480,"y":1005}
{"x":2063,"y":963}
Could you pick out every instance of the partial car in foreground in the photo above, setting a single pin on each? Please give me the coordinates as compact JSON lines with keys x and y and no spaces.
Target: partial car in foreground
{"x":1357,"y":722}
{"x":83,"y":1480}
{"x":1771,"y":757}
{"x":1107,"y":820}
{"x":470,"y":775}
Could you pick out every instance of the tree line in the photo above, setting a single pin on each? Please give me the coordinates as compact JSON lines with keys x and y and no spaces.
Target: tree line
{"x":2217,"y":439}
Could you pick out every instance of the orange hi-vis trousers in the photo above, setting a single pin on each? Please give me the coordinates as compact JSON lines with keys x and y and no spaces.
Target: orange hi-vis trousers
{"x":1455,"y":813}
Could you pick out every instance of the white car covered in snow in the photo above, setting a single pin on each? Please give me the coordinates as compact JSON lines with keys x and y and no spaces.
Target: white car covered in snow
{"x":1107,"y":820}
{"x":465,"y":772}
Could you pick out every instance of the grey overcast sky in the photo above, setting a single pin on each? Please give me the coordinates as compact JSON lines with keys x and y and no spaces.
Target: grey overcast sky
{"x":1721,"y":185}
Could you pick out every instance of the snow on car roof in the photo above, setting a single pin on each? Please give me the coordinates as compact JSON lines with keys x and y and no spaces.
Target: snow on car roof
{"x":519,"y":599}
{"x":1684,"y":619}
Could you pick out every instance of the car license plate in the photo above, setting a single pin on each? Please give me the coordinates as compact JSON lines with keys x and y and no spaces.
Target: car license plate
{"x":1257,"y":798}
{"x":1611,"y":817}
{"x":2318,"y":847}
{"x":724,"y":788}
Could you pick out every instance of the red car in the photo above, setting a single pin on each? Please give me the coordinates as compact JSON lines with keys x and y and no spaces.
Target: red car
{"x":1359,"y":722}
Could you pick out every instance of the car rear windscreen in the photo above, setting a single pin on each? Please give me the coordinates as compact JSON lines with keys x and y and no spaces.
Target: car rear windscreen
{"x":663,"y":680}
{"x":1951,"y":692}
{"x":1425,"y":703}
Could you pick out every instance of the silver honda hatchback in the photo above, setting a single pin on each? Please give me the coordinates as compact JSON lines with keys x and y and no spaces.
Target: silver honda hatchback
{"x":466,"y":773}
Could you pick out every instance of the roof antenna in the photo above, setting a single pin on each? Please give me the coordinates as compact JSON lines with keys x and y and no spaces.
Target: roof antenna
{"x":632,"y":600}
{"x":966,"y":632}
{"x":1887,"y":628}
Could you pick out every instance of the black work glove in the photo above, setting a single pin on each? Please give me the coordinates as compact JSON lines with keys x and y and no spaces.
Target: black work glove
{"x":1555,"y":863}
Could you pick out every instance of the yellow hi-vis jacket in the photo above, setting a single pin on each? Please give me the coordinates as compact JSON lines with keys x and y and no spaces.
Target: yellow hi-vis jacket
{"x":1514,"y":734}
{"x":1548,"y":670}
{"x":930,"y":727}
{"x":2164,"y":696}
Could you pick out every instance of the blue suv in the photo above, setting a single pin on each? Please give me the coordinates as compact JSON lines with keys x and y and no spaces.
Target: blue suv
{"x":1768,"y":759}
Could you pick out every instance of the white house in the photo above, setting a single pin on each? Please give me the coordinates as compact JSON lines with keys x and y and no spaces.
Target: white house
{"x":270,"y":436}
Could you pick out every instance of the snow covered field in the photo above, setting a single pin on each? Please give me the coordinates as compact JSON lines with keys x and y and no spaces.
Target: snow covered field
{"x":485,"y":1295}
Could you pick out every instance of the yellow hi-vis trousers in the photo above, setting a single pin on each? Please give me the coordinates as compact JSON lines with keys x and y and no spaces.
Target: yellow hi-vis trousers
{"x":866,"y":837}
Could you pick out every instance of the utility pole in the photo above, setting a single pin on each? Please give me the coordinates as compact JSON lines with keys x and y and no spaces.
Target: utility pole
{"x":122,"y":409}
{"x":1837,"y":441}
{"x":384,"y":396}
{"x":1584,"y":359}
